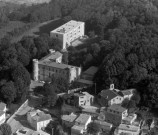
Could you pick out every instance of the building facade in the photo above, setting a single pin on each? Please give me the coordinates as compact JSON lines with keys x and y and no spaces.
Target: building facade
{"x":51,"y":65}
{"x":115,"y":113}
{"x":68,"y":32}
{"x":38,"y":119}
{"x":84,"y":98}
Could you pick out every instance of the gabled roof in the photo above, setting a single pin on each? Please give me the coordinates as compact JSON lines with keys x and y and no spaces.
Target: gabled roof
{"x":108,"y":94}
{"x":91,"y":71}
{"x":82,"y":119}
{"x":2,"y":106}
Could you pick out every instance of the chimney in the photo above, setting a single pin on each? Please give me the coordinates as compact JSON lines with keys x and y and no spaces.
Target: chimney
{"x":111,"y":86}
{"x":51,"y":50}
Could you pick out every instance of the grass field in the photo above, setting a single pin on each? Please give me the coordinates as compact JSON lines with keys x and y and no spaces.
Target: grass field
{"x":41,"y":28}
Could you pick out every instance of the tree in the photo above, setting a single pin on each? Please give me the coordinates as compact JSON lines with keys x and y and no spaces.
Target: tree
{"x":5,"y":129}
{"x":125,"y":102}
{"x":93,"y":128}
{"x":8,"y":92}
{"x":51,"y":94}
{"x":131,"y":104}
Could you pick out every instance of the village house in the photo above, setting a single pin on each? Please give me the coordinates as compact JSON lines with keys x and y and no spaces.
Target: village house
{"x":110,"y":96}
{"x":68,"y":120}
{"x":3,"y":110}
{"x":68,"y":32}
{"x":84,"y":98}
{"x":81,"y":124}
{"x":126,"y":94}
{"x":38,"y":119}
{"x":51,"y":65}
{"x":127,"y":129}
{"x":115,"y":113}
{"x":129,"y":120}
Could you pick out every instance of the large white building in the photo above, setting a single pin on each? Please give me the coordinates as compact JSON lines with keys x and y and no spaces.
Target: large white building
{"x":68,"y":32}
{"x":51,"y":65}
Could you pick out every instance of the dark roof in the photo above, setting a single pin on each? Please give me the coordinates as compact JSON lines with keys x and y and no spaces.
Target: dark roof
{"x":108,"y":94}
{"x":91,"y":71}
{"x":116,"y":107}
{"x":126,"y":92}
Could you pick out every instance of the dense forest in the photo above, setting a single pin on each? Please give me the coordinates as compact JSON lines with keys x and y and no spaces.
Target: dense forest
{"x":126,"y":50}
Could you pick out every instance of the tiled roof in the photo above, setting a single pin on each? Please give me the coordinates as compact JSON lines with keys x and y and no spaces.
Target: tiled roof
{"x":116,"y":107}
{"x":2,"y":106}
{"x":108,"y":94}
{"x":69,"y":118}
{"x":127,"y":92}
{"x":82,"y":119}
{"x":91,"y":71}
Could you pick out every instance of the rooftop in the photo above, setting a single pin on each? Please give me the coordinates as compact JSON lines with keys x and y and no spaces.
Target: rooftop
{"x":127,"y":92}
{"x":40,"y":132}
{"x":130,"y":118}
{"x":91,"y":71}
{"x":67,"y":27}
{"x":128,"y":128}
{"x":2,"y":106}
{"x":78,"y":127}
{"x":83,"y":94}
{"x":69,"y":118}
{"x":116,"y":107}
{"x":56,"y":65}
{"x":52,"y":56}
{"x":82,"y":119}
{"x":85,"y":81}
{"x":38,"y":115}
{"x":103,"y":123}
{"x":108,"y":94}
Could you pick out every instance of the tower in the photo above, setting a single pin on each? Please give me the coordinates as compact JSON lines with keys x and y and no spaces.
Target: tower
{"x":35,"y":69}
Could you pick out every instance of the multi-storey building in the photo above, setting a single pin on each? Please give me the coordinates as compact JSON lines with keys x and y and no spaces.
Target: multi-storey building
{"x":38,"y":119}
{"x":68,"y":32}
{"x":51,"y":65}
{"x":115,"y":113}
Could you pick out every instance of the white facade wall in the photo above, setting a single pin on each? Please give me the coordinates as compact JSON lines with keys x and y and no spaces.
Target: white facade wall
{"x":116,"y":100}
{"x":67,"y":37}
{"x":2,"y":118}
{"x":35,"y":69}
{"x":42,"y":124}
{"x":88,"y":121}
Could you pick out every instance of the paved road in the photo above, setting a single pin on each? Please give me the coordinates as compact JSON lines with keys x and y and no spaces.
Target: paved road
{"x":15,"y":121}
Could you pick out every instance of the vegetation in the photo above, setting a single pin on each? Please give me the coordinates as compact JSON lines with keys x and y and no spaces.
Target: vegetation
{"x":5,"y":129}
{"x":93,"y":128}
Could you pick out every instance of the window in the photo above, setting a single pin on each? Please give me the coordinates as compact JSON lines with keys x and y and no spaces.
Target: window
{"x":56,"y":36}
{"x":56,"y":71}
